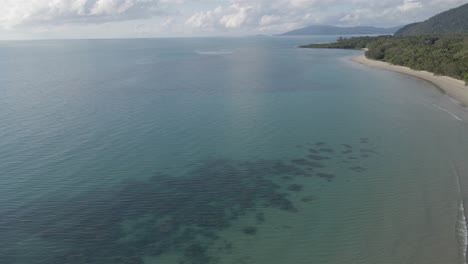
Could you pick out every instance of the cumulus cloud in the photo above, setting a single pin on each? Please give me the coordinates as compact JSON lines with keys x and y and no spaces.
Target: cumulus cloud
{"x":39,"y":12}
{"x":210,"y":16}
{"x":393,"y":12}
{"x":409,"y":5}
{"x":232,"y":16}
{"x":261,"y":14}
{"x":287,"y":14}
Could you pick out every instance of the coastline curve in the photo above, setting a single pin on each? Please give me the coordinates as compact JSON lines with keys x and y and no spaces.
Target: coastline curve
{"x":453,"y":87}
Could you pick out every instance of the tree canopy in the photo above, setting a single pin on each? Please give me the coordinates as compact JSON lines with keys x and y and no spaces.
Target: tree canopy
{"x":440,"y":54}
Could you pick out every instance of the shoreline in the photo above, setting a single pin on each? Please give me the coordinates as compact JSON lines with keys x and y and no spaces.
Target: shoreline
{"x":453,"y":87}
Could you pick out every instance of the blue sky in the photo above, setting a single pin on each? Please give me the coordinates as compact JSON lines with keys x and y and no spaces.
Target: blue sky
{"x":38,"y":19}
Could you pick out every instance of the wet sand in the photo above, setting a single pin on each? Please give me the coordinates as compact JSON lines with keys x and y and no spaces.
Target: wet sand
{"x":453,"y":87}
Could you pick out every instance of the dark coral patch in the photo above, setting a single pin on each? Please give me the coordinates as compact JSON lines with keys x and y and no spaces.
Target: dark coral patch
{"x":357,"y":169}
{"x":295,"y":187}
{"x":260,"y":217}
{"x":314,"y":151}
{"x":316,"y":165}
{"x":326,"y":150}
{"x":329,"y":177}
{"x":367,"y":151}
{"x":249,"y":230}
{"x":304,"y":162}
{"x":128,"y":259}
{"x":169,"y":213}
{"x":287,"y":178}
{"x":279,"y":200}
{"x":308,"y":199}
{"x":317,"y":157}
{"x":301,"y":162}
{"x":197,"y":254}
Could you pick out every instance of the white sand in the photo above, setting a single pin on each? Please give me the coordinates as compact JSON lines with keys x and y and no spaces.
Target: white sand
{"x":453,"y":87}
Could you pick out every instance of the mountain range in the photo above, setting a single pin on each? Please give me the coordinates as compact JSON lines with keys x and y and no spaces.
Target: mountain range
{"x":452,"y":21}
{"x":333,"y":30}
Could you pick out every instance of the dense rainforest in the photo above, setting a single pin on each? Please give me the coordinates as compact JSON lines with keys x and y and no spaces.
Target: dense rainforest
{"x":440,"y":54}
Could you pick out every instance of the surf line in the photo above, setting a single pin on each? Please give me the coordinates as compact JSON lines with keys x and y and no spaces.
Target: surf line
{"x":461,"y":225}
{"x":448,"y":112}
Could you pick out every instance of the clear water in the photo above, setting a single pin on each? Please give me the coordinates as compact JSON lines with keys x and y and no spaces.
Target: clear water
{"x":242,"y":150}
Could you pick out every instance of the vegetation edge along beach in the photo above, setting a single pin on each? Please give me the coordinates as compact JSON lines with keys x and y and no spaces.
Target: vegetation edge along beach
{"x":441,"y":60}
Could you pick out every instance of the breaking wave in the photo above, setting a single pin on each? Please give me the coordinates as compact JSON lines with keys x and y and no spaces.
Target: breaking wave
{"x":448,"y":112}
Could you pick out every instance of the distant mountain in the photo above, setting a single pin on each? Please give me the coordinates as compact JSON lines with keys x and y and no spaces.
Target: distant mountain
{"x":332,"y":30}
{"x":451,"y":21}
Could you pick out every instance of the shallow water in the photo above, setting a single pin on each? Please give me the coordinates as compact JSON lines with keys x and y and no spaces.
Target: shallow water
{"x":243,"y":150}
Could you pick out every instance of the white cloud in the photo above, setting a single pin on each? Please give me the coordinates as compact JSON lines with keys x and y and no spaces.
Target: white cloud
{"x":237,"y":18}
{"x":202,"y":17}
{"x":111,"y":7}
{"x":393,"y":12}
{"x":280,"y":14}
{"x":409,"y":5}
{"x":15,"y":13}
{"x":260,"y":14}
{"x":231,"y":17}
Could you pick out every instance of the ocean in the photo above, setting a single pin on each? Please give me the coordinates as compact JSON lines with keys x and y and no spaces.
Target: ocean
{"x":224,"y":150}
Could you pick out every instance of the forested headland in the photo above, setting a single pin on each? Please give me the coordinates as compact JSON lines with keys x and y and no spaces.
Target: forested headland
{"x":441,"y":54}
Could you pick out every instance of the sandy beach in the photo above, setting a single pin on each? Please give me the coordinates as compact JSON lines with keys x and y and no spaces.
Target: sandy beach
{"x":453,"y":87}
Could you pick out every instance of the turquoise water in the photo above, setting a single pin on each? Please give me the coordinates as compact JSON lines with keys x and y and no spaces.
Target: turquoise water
{"x":229,"y":150}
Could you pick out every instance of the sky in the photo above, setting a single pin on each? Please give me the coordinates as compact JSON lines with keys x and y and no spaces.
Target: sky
{"x":57,"y":19}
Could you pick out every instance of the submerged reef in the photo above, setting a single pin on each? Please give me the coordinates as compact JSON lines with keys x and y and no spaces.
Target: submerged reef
{"x":307,"y":163}
{"x":317,"y":157}
{"x":329,"y":177}
{"x":295,"y":187}
{"x":163,"y":213}
{"x":313,"y":151}
{"x":151,"y":217}
{"x":260,"y":217}
{"x":308,"y":199}
{"x":326,"y":150}
{"x":357,"y":169}
{"x":249,"y":230}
